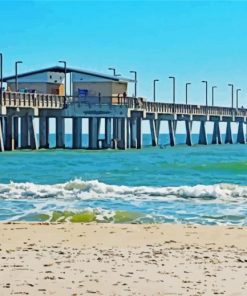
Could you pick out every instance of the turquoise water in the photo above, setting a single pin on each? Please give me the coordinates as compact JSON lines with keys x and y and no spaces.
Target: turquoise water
{"x":199,"y":184}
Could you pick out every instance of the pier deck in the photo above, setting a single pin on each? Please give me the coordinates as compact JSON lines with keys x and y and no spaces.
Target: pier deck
{"x":122,"y":116}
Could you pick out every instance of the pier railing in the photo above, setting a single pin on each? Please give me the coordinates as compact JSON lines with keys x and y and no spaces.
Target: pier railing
{"x":165,"y":108}
{"x":97,"y":100}
{"x":169,"y":108}
{"x":50,"y":101}
{"x":32,"y":100}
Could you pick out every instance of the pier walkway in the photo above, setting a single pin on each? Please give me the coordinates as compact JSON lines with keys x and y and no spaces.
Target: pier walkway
{"x":122,"y":117}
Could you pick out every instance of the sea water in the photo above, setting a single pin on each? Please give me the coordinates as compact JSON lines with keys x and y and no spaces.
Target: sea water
{"x":198,"y":184}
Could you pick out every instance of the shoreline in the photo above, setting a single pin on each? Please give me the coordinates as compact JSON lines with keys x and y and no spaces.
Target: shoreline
{"x":122,"y":259}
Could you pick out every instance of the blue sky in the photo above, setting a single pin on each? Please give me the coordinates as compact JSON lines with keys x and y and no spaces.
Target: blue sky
{"x":192,"y":40}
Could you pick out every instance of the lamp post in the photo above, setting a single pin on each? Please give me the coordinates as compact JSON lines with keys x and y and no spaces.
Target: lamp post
{"x":16,"y":74}
{"x":114,"y":72}
{"x":186,"y":92}
{"x":232,"y":88}
{"x":213,"y":88}
{"x":237,"y":91}
{"x":1,"y":77}
{"x":135,"y":75}
{"x":65,"y":72}
{"x":206,"y":84}
{"x":154,"y":88}
{"x":173,"y":86}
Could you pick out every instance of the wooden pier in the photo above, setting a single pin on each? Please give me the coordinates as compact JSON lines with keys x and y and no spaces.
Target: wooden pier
{"x":123,"y":119}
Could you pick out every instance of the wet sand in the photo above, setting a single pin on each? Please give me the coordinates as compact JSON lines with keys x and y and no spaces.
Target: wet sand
{"x":111,"y":259}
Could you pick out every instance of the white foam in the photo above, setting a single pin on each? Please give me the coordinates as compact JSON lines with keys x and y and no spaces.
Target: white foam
{"x":79,"y":189}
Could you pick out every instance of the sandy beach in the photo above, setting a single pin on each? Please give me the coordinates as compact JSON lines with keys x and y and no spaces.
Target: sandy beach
{"x":117,"y":259}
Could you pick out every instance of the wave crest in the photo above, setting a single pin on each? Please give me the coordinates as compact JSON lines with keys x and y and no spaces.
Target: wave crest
{"x":79,"y":189}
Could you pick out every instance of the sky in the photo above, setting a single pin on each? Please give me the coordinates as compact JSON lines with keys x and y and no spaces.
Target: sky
{"x":191,"y":40}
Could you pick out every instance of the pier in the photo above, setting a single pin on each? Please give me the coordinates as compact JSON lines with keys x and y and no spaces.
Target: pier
{"x":122,"y":117}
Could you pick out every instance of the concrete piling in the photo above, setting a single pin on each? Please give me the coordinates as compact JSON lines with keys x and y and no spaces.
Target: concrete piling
{"x":24,"y":132}
{"x":93,"y":133}
{"x":98,"y":127}
{"x":122,"y":143}
{"x":172,"y":125}
{"x":202,"y":134}
{"x":1,"y":135}
{"x":128,"y":133}
{"x":43,"y":132}
{"x":153,"y":132}
{"x":115,"y":128}
{"x":228,"y":139}
{"x":119,"y":129}
{"x":60,"y":129}
{"x":188,"y":127}
{"x":216,"y":138}
{"x":4,"y":126}
{"x":107,"y":143}
{"x":157,"y":129}
{"x":76,"y":133}
{"x":32,"y":133}
{"x":16,"y":132}
{"x":133,"y":133}
{"x":240,"y":135}
{"x":10,"y":134}
{"x":139,"y":132}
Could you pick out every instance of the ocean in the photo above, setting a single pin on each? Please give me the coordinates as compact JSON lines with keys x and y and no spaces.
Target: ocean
{"x":198,"y":184}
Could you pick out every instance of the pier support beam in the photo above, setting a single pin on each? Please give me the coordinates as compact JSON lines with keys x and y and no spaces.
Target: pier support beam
{"x":44,"y":132}
{"x":32,"y":133}
{"x":172,"y":125}
{"x":98,"y":127}
{"x":202,"y":134}
{"x":122,"y":143}
{"x":133,"y":133}
{"x":93,"y":133}
{"x":153,"y":132}
{"x":24,"y":132}
{"x":246,"y":131}
{"x":107,"y":143}
{"x":228,"y":139}
{"x":115,"y":133}
{"x":188,"y":127}
{"x":60,"y":132}
{"x":4,"y":126}
{"x":1,"y":135}
{"x":216,"y":139}
{"x":128,"y":132}
{"x":119,"y":129}
{"x":157,"y":129}
{"x":76,"y":133}
{"x":16,"y":132}
{"x":139,"y":132}
{"x":240,"y":135}
{"x":10,"y":141}
{"x":115,"y":128}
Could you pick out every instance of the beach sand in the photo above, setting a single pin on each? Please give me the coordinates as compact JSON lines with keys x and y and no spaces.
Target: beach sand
{"x":120,"y":259}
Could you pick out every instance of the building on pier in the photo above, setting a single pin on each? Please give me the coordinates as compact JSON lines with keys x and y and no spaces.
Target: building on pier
{"x":82,"y":83}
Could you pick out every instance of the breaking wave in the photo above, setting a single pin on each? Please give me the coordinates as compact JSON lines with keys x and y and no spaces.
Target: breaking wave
{"x":85,"y":190}
{"x":88,"y":201}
